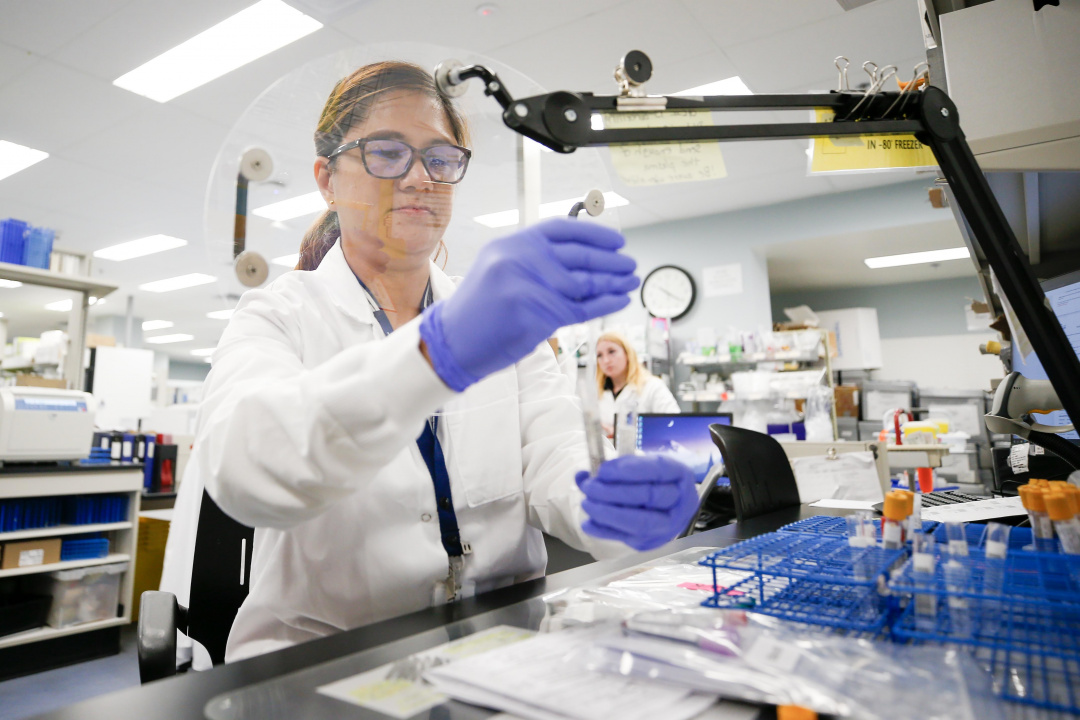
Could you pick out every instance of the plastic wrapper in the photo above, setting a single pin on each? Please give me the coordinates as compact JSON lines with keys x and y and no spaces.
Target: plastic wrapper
{"x":743,"y":656}
{"x":676,"y":581}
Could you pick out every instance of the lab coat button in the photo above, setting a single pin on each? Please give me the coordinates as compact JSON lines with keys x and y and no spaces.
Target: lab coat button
{"x":426,"y":517}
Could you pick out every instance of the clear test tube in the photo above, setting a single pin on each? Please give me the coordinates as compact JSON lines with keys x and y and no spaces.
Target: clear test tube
{"x":923,"y":564}
{"x":626,"y":431}
{"x":590,"y":403}
{"x":915,"y":519}
{"x":895,"y":513}
{"x":1041,"y":525}
{"x":958,"y":584}
{"x":997,"y":548}
{"x":1066,"y":524}
{"x":956,"y":532}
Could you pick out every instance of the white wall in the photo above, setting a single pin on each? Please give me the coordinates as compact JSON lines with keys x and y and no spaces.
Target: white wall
{"x":940,"y":361}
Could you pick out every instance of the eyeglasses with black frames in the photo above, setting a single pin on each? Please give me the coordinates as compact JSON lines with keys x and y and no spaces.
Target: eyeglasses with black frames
{"x":391,"y":159}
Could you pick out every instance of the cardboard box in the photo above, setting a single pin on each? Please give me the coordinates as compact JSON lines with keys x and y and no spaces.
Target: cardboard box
{"x":149,"y":558}
{"x":27,"y":380}
{"x":94,"y":340}
{"x":41,"y":551}
{"x":847,"y":401}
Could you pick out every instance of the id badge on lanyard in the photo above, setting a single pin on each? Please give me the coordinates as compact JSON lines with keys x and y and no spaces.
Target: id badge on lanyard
{"x":454,"y":587}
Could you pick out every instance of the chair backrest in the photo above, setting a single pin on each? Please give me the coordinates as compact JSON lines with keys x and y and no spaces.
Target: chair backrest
{"x":219,"y":577}
{"x":761,"y":477}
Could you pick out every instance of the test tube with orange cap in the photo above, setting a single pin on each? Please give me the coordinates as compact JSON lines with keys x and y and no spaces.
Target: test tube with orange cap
{"x":1060,"y":509}
{"x":895,"y":513}
{"x":1031,"y":496}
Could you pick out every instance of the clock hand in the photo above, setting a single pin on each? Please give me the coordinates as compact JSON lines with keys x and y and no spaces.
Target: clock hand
{"x":668,"y":293}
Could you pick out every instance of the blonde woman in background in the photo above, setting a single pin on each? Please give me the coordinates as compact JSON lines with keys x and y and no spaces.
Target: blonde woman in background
{"x":624,"y":385}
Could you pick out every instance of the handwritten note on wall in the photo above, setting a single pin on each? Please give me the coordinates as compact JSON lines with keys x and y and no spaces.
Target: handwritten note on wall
{"x":668,"y":162}
{"x":723,"y":280}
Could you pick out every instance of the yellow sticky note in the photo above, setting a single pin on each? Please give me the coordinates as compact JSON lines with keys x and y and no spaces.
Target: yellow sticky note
{"x":656,"y":164}
{"x":855,"y":153}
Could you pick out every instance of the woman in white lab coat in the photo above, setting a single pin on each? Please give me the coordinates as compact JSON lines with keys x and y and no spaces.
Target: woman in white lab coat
{"x":396,"y":437}
{"x":624,"y":385}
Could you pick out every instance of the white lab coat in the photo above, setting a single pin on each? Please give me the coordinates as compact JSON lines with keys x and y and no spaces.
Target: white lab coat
{"x":653,"y":398}
{"x":308,"y":432}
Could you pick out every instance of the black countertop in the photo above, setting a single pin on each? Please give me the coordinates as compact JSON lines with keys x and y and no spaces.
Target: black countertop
{"x":368,"y":647}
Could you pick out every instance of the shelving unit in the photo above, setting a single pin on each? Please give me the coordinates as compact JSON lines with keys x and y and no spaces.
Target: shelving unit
{"x":76,"y":330}
{"x":726,"y":364}
{"x":58,"y":646}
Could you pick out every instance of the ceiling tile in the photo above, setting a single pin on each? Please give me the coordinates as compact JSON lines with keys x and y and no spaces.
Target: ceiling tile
{"x":140,"y":31}
{"x":885,"y":31}
{"x":457,"y":24}
{"x":42,"y":26}
{"x":32,"y":115}
{"x":163,"y":144}
{"x":734,"y":23}
{"x":14,"y":61}
{"x":592,"y":46}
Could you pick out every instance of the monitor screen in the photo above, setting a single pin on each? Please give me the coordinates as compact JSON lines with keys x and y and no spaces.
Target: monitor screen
{"x":1063,"y":292}
{"x":684,"y":437}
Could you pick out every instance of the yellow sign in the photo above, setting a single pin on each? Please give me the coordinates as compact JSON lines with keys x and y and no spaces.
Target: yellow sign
{"x":860,"y":153}
{"x":655,"y":164}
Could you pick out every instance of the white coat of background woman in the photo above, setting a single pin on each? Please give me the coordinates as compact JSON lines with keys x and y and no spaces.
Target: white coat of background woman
{"x":624,"y":385}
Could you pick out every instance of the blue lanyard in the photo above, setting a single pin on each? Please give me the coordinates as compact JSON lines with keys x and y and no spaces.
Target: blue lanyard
{"x":430,"y":448}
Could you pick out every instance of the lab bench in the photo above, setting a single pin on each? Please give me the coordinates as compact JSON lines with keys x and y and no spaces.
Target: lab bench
{"x":287,"y":674}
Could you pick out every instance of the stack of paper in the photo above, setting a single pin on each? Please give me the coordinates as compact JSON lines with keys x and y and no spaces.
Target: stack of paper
{"x":533,"y":679}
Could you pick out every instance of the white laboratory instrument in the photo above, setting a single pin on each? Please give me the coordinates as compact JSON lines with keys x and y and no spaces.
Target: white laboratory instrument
{"x":42,"y":424}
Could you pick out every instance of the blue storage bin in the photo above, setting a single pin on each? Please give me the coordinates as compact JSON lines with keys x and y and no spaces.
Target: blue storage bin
{"x":38,"y":247}
{"x":12,"y":241}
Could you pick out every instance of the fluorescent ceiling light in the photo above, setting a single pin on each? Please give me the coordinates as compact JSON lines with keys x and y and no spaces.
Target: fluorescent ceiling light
{"x":294,"y":207}
{"x":234,"y":42}
{"x":14,"y":158}
{"x":220,"y":314}
{"x":728,"y":86}
{"x":917,"y":258}
{"x":163,"y":339}
{"x":157,"y":324}
{"x":178,"y":283}
{"x":10,"y":284}
{"x":203,"y":352}
{"x":505,"y":218}
{"x":288,"y":261}
{"x":140,"y":247}
{"x":66,"y":305}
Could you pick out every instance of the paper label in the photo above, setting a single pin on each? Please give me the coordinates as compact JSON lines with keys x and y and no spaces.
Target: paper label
{"x":396,"y":689}
{"x":995,"y":549}
{"x":723,"y":280}
{"x":891,"y":532}
{"x":31,"y":557}
{"x":1018,"y":458}
{"x":860,"y":153}
{"x":768,"y":652}
{"x":660,"y":164}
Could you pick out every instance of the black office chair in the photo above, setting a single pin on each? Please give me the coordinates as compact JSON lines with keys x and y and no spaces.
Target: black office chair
{"x":219,"y":583}
{"x":761,"y":477}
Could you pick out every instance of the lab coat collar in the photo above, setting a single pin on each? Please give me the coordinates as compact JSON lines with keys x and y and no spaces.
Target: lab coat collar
{"x":346,"y":292}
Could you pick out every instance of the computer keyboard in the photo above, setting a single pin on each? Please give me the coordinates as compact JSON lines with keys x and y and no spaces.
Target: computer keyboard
{"x":948,"y":497}
{"x":943,"y":497}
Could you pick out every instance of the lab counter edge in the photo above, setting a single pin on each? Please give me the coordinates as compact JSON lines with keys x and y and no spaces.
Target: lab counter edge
{"x":185,"y":696}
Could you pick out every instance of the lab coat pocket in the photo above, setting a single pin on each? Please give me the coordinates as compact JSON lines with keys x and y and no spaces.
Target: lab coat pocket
{"x":484,"y":440}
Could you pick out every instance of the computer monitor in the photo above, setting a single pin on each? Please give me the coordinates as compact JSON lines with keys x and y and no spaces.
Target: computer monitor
{"x":1063,"y":292}
{"x":685,"y":437}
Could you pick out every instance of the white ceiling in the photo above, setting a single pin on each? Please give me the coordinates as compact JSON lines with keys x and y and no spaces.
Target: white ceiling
{"x":815,"y":264}
{"x":122,"y":166}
